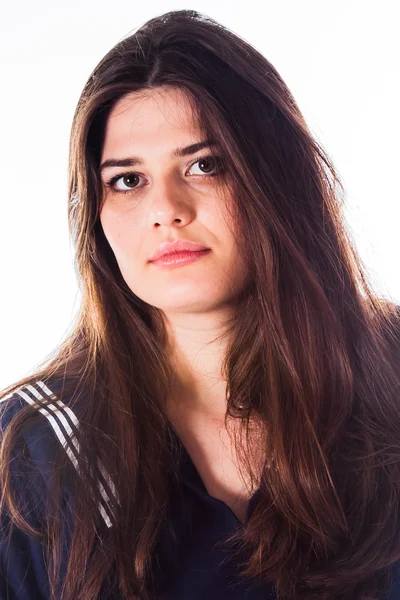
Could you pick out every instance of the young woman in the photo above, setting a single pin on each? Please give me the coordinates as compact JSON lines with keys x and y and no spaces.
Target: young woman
{"x":223,"y":422}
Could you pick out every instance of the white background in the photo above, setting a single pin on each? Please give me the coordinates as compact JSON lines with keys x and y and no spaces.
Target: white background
{"x":340,"y":59}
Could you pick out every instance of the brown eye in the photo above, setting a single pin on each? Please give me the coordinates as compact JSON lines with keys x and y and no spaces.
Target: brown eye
{"x":129,"y":180}
{"x":207,"y":164}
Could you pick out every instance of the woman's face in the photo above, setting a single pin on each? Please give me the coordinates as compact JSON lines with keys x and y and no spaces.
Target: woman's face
{"x":168,"y":198}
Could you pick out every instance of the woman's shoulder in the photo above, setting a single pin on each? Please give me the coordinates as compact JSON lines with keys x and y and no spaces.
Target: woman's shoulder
{"x":45,"y":432}
{"x":51,"y":431}
{"x":52,"y":395}
{"x":48,"y":429}
{"x":50,"y":426}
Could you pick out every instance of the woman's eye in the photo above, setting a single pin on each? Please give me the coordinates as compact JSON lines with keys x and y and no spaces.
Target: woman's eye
{"x":129,"y":179}
{"x":207,"y":162}
{"x":207,"y":165}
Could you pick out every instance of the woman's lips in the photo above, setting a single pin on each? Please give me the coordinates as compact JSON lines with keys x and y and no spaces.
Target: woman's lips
{"x":179,"y":258}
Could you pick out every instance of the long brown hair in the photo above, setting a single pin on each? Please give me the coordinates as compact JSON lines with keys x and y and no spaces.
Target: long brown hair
{"x":313,"y":352}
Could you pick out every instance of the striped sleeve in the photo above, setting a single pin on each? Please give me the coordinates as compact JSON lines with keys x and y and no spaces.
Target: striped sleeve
{"x":23,"y":574}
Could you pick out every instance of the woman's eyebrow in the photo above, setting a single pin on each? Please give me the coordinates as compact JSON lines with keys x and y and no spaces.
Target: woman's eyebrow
{"x":137,"y":160}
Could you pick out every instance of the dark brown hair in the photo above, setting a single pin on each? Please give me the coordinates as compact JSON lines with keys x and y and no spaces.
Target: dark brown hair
{"x":313,"y":352}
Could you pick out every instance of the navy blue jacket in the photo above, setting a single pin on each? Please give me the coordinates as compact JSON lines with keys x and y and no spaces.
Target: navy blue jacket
{"x":193,"y":569}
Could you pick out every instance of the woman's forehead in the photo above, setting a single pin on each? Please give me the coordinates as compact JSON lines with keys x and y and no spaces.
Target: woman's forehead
{"x":136,"y":123}
{"x":162,"y":103}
